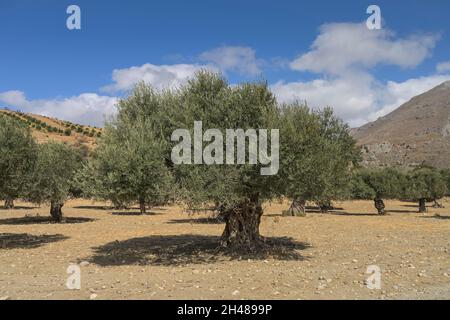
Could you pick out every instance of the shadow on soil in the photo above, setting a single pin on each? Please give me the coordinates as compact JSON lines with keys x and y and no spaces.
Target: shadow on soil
{"x":436,"y":216}
{"x":43,"y":220}
{"x":197,"y":221}
{"x":135,"y":213}
{"x":93,"y":207}
{"x":27,"y":241}
{"x":17,"y":208}
{"x":183,"y":249}
{"x":403,"y":211}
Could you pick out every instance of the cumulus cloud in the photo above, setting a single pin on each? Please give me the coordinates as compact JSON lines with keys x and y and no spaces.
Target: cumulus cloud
{"x":233,"y":58}
{"x":443,"y":67}
{"x":159,"y":76}
{"x":357,"y":99}
{"x":341,"y":47}
{"x":87,"y":108}
{"x":344,"y":54}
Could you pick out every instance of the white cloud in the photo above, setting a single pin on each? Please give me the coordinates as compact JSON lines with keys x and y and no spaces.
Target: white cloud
{"x":357,"y":99}
{"x":159,"y":76}
{"x":443,"y":67}
{"x":14,"y":98}
{"x":237,"y":59}
{"x":394,"y":94}
{"x":344,"y":53}
{"x":87,"y":108}
{"x":342,"y":47}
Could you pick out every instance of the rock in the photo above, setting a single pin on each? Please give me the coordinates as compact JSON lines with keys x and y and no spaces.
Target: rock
{"x":235,"y":293}
{"x":5,"y":298}
{"x":84,"y":263}
{"x":93,"y":296}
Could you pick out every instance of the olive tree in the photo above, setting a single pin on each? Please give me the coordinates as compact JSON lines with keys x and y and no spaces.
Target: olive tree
{"x":129,"y":164}
{"x":235,"y":185}
{"x":378,"y":184}
{"x":425,"y":184}
{"x":17,"y":159}
{"x":53,"y":175}
{"x":317,"y":153}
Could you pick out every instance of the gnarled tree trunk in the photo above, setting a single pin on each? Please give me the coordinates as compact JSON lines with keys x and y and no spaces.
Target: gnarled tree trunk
{"x":438,"y":205}
{"x":56,"y":211}
{"x":296,"y":209}
{"x":422,"y":206}
{"x":242,"y":226}
{"x":379,"y":205}
{"x":9,"y":204}
{"x":325,"y":207}
{"x":142,"y":206}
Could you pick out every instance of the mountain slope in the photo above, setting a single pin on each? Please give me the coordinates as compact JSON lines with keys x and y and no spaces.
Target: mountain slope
{"x":46,"y":129}
{"x":418,"y":132}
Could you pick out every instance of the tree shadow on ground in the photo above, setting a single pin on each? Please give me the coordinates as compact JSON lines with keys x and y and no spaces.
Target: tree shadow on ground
{"x":17,"y":208}
{"x":93,"y":207}
{"x":351,"y":214}
{"x":436,"y":216}
{"x":43,"y":220}
{"x":135,"y":213}
{"x":27,"y":241}
{"x":414,"y":206}
{"x":402,"y":211}
{"x":210,"y":220}
{"x":172,"y":250}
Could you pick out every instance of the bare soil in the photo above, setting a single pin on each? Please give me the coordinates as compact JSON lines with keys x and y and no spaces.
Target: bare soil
{"x":168,"y":254}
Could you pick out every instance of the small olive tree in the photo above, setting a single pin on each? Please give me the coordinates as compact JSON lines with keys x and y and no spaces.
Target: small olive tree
{"x":53,"y":175}
{"x":378,"y":184}
{"x":425,"y":184}
{"x":17,"y":159}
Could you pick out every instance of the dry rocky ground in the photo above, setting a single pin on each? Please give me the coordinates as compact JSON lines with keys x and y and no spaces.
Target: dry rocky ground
{"x":168,"y":254}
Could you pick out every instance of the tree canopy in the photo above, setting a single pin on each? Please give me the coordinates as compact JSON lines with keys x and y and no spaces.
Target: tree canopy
{"x":17,"y":159}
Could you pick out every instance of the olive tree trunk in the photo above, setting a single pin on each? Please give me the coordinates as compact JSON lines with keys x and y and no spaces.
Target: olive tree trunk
{"x":142,"y":208}
{"x":9,"y":204}
{"x":56,"y":211}
{"x":422,"y":206}
{"x":379,"y":205}
{"x":437,"y":204}
{"x":242,"y":227}
{"x":325,"y":207}
{"x":296,"y":209}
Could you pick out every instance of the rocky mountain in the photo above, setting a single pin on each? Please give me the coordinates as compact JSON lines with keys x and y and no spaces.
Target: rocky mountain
{"x":416,"y":133}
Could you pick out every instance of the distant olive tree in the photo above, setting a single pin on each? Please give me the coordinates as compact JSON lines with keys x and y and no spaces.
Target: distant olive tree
{"x":425,"y":184}
{"x":53,"y":175}
{"x":379,"y":185}
{"x":17,"y":159}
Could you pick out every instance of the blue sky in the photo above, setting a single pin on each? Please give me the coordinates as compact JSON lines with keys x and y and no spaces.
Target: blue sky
{"x":319,"y":51}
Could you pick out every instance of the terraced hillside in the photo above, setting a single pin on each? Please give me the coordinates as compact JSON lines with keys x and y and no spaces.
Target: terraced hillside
{"x":47,"y":129}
